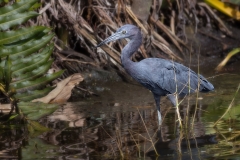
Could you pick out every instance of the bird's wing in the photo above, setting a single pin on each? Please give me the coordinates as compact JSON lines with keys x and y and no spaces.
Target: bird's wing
{"x":179,"y":79}
{"x":171,"y":77}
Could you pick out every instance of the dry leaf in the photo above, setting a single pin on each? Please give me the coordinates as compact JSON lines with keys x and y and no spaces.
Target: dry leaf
{"x":63,"y":90}
{"x":5,"y":108}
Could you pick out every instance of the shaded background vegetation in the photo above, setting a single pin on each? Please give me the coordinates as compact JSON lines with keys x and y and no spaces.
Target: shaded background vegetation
{"x":171,"y":29}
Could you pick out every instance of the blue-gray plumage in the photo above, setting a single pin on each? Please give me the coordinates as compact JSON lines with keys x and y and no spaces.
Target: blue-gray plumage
{"x":162,"y":77}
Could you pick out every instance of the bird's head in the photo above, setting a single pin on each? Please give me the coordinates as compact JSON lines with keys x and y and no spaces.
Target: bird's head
{"x":126,"y":31}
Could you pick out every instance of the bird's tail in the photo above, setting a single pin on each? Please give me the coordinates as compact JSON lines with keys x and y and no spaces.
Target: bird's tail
{"x":205,"y":86}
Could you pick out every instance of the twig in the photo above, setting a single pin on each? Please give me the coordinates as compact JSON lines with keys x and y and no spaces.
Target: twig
{"x":90,"y":92}
{"x":131,"y":14}
{"x":153,"y":145}
{"x":209,"y":35}
{"x":118,"y":145}
{"x":216,"y":18}
{"x":62,"y":58}
{"x":169,"y":33}
{"x":45,"y":8}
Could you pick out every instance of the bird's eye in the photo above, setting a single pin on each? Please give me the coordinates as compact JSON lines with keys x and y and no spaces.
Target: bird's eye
{"x":124,"y":32}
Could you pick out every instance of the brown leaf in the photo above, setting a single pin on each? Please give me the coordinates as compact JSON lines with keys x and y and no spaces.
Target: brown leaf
{"x":63,"y":90}
{"x":5,"y":108}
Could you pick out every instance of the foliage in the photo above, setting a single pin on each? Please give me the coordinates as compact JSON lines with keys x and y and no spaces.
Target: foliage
{"x":25,"y":58}
{"x":226,"y":8}
{"x":227,"y":58}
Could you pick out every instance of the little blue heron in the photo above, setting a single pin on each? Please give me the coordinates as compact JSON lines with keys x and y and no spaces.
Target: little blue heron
{"x":162,"y":77}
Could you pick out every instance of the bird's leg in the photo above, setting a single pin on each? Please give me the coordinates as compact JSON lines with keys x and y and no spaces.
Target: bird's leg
{"x":157,"y":100}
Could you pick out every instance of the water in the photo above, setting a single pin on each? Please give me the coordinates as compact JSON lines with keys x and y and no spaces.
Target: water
{"x":121,"y":123}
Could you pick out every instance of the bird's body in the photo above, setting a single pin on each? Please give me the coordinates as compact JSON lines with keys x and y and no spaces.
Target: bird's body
{"x":171,"y":77}
{"x":162,"y":77}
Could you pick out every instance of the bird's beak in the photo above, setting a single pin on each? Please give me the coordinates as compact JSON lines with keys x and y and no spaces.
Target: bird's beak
{"x":113,"y":37}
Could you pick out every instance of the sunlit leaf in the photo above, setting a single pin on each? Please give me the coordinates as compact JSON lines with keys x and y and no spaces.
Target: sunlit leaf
{"x":16,"y":19}
{"x":16,"y":8}
{"x":225,"y":8}
{"x":30,"y":129}
{"x":226,"y":59}
{"x":35,"y":6}
{"x":2,"y":87}
{"x":19,"y":43}
{"x":12,"y":116}
{"x":23,"y":61}
{"x":26,"y":49}
{"x":20,"y":34}
{"x":37,"y":126}
{"x":36,"y":45}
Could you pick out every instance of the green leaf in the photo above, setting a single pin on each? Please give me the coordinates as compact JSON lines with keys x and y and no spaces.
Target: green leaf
{"x":20,"y":34}
{"x":7,"y":73}
{"x":12,"y":116}
{"x":35,"y":6}
{"x":16,"y":8}
{"x":25,"y":55}
{"x":25,"y":50}
{"x":1,"y":75}
{"x":36,"y":84}
{"x":28,"y":63}
{"x":37,"y":126}
{"x":227,"y":58}
{"x":41,"y":69}
{"x":35,"y":46}
{"x":19,"y":43}
{"x":35,"y":111}
{"x":16,"y":19}
{"x":30,"y":95}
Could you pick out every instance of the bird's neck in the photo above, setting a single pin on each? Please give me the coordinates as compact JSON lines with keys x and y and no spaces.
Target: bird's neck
{"x":132,"y":46}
